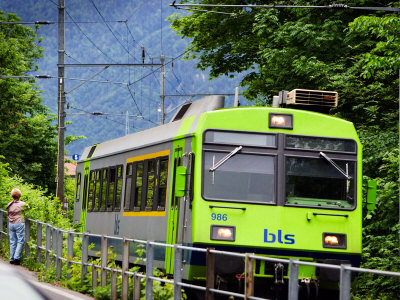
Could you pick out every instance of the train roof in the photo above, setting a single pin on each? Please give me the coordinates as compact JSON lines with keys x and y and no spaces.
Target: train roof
{"x":156,"y":134}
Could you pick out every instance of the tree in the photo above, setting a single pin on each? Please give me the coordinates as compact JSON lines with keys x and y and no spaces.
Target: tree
{"x":280,"y":49}
{"x":27,"y":138}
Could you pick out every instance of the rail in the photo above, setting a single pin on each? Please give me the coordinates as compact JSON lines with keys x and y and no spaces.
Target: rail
{"x":53,"y":249}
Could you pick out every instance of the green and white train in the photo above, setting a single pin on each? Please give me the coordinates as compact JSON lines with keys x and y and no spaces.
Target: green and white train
{"x":279,"y":182}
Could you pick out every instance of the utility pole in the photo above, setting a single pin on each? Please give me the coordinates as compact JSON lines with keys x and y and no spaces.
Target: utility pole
{"x":162,"y":94}
{"x":61,"y":101}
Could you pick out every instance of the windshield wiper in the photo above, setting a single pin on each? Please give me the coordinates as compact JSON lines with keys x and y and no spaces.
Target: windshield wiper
{"x":344,"y":173}
{"x":224,"y":159}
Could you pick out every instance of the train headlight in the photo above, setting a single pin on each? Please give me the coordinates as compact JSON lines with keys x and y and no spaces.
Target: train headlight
{"x":281,"y":121}
{"x":222,"y":233}
{"x":334,"y":240}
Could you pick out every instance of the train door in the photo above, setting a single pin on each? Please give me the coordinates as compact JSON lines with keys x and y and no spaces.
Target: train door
{"x":173,"y":214}
{"x":86,"y":174}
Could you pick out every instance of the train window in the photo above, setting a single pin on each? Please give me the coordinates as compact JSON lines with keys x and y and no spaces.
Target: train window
{"x":97,"y":195}
{"x":319,"y":143}
{"x":240,"y":138}
{"x":103,"y":191}
{"x":241,"y":178}
{"x":150,"y":184}
{"x":138,"y":186}
{"x":162,"y":185}
{"x":128,"y":186}
{"x":146,"y":185}
{"x":78,"y":187}
{"x":317,"y":182}
{"x":91,"y":191}
{"x":118,"y":187}
{"x":111,"y":188}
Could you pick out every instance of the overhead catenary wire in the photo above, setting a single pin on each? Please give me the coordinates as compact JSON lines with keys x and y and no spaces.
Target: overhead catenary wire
{"x":109,"y":28}
{"x":56,"y":22}
{"x":130,"y":93}
{"x":178,"y":80}
{"x":56,"y":4}
{"x":139,"y":44}
{"x":137,"y":9}
{"x":89,"y":39}
{"x":104,"y":116}
{"x":66,"y":78}
{"x":134,"y":100}
{"x":95,"y":114}
{"x":206,"y":11}
{"x":158,"y":68}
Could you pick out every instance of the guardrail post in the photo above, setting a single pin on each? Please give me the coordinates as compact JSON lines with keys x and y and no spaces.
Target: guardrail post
{"x":95,"y":277}
{"x":104,"y":254}
{"x":38,"y":242}
{"x":345,"y":282}
{"x":59,"y":234}
{"x":177,"y":272}
{"x":210,"y":274}
{"x":125,"y":267}
{"x":53,"y":238}
{"x":113,"y":284}
{"x":70,"y":252}
{"x":27,"y":237}
{"x":149,"y":269}
{"x":85,"y":245}
{"x":293,"y":290}
{"x":249,"y":276}
{"x":136,"y":287}
{"x":48,"y":246}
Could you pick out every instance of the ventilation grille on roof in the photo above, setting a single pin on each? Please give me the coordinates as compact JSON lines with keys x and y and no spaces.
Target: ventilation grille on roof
{"x":92,"y":151}
{"x":312,"y":97}
{"x":181,"y":112}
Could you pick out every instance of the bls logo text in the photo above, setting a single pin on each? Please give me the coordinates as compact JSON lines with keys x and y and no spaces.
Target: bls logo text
{"x":278,"y":237}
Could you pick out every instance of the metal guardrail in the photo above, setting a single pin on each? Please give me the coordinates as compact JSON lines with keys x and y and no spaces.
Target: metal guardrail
{"x":54,"y":239}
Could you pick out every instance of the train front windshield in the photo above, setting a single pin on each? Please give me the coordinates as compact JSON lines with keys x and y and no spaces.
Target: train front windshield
{"x":313,"y":172}
{"x":317,"y":182}
{"x":243,"y":177}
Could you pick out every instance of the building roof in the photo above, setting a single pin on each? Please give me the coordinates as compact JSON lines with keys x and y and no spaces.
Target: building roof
{"x":70,"y":168}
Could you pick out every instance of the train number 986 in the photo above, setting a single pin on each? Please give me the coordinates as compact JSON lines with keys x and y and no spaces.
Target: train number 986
{"x":219,"y":217}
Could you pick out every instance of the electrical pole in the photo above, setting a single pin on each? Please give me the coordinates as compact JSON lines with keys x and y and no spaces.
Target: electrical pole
{"x":162,"y":94}
{"x":61,"y":101}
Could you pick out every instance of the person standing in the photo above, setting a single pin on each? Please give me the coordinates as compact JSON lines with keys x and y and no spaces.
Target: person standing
{"x":16,"y":225}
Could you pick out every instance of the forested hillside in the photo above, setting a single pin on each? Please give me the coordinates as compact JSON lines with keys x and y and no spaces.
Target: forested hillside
{"x":129,"y":26}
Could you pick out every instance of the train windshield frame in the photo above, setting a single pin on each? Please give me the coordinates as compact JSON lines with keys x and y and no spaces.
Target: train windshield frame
{"x":239,"y":166}
{"x":279,"y":169}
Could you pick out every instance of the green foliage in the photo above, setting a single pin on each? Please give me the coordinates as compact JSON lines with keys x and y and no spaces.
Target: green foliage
{"x":383,"y":54}
{"x":27,"y":138}
{"x":69,"y":193}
